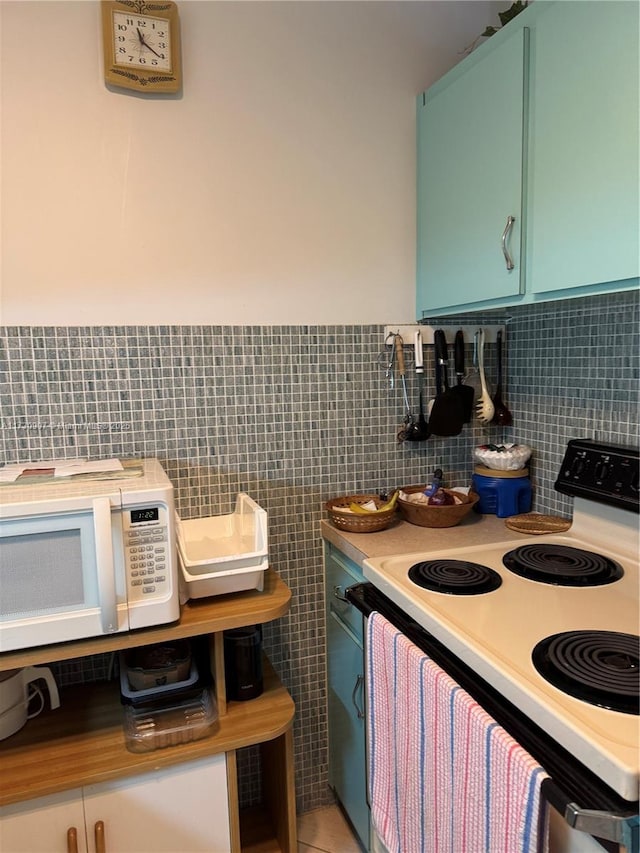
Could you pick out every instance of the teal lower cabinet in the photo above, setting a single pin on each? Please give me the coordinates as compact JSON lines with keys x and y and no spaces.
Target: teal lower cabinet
{"x":346,"y":693}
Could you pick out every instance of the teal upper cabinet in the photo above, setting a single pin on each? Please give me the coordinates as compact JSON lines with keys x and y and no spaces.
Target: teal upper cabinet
{"x":541,"y":124}
{"x":470,"y":149}
{"x":584,"y":152}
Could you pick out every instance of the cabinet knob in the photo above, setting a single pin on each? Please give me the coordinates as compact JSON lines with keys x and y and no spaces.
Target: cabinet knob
{"x":505,"y":237}
{"x":98,"y":830}
{"x":72,"y":840}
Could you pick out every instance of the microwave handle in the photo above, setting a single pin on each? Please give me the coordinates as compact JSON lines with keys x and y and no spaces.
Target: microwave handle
{"x":105,"y":565}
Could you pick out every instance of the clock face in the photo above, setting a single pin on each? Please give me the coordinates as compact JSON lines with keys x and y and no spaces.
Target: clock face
{"x":141,"y":41}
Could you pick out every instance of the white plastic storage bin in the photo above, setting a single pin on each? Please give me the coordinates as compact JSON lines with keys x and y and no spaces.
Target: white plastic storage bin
{"x":223,"y":553}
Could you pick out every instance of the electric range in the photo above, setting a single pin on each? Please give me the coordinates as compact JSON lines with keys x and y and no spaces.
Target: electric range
{"x":571,"y":614}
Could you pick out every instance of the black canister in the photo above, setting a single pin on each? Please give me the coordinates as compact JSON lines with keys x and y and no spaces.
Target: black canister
{"x":243,"y":662}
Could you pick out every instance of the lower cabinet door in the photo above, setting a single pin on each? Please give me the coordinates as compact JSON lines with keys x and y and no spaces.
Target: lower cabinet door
{"x":42,"y":825}
{"x":182,"y":808}
{"x":347,"y":759}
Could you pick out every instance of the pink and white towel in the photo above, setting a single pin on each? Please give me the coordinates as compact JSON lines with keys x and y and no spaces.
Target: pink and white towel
{"x":444,"y":777}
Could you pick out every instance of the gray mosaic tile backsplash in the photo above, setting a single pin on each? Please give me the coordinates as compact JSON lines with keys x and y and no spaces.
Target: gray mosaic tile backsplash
{"x":297,"y":415}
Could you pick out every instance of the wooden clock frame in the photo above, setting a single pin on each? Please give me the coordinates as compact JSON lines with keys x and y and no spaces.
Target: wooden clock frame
{"x":136,"y":78}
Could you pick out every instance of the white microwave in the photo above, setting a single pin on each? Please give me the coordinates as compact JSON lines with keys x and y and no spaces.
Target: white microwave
{"x":82,"y":557}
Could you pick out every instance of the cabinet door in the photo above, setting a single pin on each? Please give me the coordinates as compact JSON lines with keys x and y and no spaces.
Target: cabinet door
{"x":347,"y":757}
{"x":182,"y":808}
{"x":583,"y":182}
{"x":41,"y":826}
{"x":470,"y":166}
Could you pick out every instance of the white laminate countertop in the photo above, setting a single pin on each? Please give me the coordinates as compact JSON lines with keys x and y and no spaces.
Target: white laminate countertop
{"x":405,"y":538}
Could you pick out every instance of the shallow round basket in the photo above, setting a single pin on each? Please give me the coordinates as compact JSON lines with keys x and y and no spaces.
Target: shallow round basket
{"x":435,"y":516}
{"x":351,"y":522}
{"x":513,"y":458}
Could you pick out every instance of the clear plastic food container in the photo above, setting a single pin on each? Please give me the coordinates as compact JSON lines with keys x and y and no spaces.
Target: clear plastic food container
{"x":138,"y":696}
{"x":159,"y":725}
{"x":157,"y":665}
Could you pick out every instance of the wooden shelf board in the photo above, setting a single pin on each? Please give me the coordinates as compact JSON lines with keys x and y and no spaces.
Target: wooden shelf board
{"x":82,"y":742}
{"x":200,"y":616}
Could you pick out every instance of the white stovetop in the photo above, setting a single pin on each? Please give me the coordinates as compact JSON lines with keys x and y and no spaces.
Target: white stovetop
{"x":495,"y":632}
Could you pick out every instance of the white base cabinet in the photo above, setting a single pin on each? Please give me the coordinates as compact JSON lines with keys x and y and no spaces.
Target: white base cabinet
{"x":41,"y":826}
{"x":181,"y":808}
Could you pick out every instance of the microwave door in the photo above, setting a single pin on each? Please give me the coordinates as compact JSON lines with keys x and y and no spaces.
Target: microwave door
{"x":105,"y":567}
{"x":62,"y":575}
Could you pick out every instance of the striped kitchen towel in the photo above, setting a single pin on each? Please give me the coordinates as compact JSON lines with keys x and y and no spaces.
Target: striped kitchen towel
{"x":444,"y":777}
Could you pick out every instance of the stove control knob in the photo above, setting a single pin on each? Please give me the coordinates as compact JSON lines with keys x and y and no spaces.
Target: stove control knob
{"x":577,"y":466}
{"x":602,"y":469}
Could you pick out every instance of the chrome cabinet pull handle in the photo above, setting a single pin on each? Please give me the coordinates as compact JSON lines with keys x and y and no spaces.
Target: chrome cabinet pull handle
{"x":338,"y":596}
{"x":505,"y":235}
{"x":357,"y":686}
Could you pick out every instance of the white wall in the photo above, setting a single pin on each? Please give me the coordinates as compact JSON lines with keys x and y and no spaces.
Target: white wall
{"x":277,"y":189}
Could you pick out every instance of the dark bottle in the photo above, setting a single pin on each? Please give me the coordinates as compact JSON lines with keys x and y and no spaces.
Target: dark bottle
{"x":243,"y":662}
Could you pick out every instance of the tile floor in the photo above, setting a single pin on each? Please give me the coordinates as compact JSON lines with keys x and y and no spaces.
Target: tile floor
{"x":326,"y":830}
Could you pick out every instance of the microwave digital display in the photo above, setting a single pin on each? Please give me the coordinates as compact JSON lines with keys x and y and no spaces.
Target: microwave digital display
{"x":149,"y":514}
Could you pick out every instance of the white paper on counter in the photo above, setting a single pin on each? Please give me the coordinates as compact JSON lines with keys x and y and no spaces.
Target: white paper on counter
{"x":57,"y":468}
{"x":10,"y":473}
{"x":95,"y":466}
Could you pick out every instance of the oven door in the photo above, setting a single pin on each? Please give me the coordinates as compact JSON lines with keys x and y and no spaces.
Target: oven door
{"x":586,"y":815}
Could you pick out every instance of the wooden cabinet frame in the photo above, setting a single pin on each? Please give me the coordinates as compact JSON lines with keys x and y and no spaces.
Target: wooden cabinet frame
{"x":82,"y":742}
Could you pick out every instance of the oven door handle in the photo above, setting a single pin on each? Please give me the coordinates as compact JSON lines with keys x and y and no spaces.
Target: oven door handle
{"x":611,"y":827}
{"x":621,"y":829}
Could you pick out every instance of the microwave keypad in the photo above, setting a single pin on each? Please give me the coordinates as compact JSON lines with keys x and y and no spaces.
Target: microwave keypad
{"x":147,"y":558}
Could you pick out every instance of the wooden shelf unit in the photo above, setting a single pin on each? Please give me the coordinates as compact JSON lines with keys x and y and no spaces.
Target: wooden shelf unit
{"x":82,"y":742}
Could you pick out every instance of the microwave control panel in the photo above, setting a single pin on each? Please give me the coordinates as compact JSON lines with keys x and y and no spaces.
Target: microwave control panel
{"x":147,"y":551}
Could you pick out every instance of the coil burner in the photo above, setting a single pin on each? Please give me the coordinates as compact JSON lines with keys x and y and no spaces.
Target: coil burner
{"x":562,"y":565}
{"x":599,"y":667}
{"x":454,"y":577}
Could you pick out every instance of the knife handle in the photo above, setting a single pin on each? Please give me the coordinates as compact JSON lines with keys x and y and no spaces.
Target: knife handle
{"x":417,"y":346}
{"x":440,"y":343}
{"x":458,"y":353}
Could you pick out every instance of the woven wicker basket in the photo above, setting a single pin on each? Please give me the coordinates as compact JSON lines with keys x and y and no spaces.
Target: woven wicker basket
{"x":435,"y":516}
{"x":353,"y":523}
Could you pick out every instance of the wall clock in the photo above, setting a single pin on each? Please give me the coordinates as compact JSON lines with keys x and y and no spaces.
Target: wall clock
{"x":141,"y":40}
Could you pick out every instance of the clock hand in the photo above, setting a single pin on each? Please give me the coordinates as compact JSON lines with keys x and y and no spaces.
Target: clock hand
{"x":148,"y":46}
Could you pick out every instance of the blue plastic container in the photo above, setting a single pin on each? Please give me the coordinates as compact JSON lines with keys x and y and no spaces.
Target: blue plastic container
{"x":502,"y":496}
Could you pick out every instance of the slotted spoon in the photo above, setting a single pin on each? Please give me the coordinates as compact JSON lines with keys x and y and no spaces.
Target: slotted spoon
{"x":484,"y":406}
